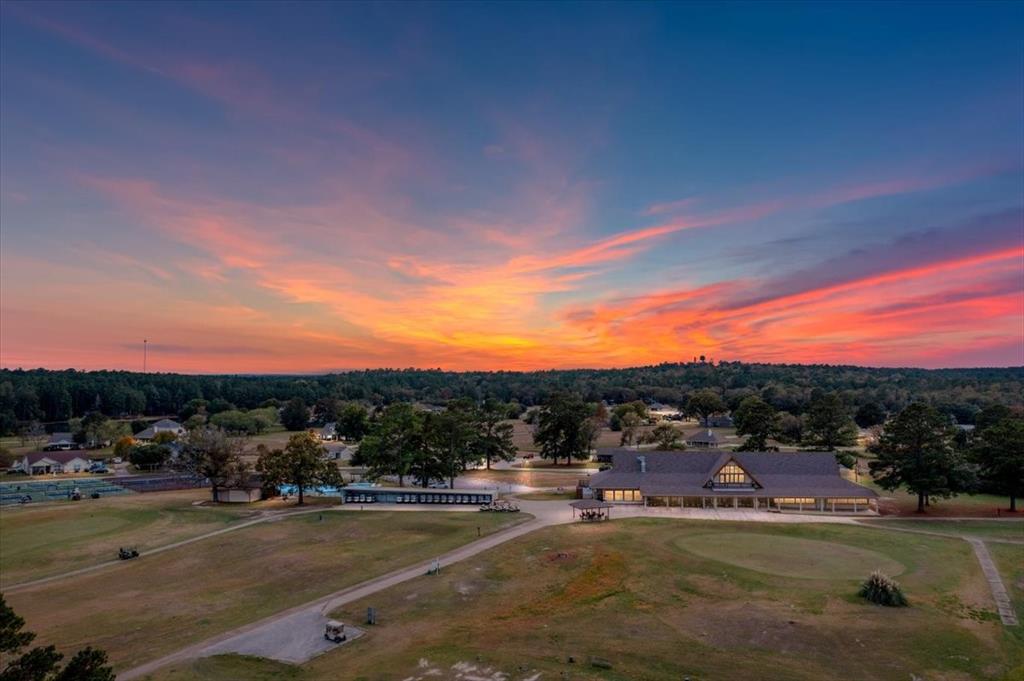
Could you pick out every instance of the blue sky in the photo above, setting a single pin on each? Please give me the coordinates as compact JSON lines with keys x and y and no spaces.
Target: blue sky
{"x":304,"y":187}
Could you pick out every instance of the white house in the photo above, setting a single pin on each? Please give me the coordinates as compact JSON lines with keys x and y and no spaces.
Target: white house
{"x":161,"y":426}
{"x":43,"y":463}
{"x":329,"y":431}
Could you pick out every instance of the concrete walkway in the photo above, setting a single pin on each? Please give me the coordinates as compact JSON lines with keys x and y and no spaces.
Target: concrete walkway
{"x":995,"y":582}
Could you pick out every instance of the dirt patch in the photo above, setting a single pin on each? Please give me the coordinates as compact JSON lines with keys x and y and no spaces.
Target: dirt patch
{"x":560,"y":557}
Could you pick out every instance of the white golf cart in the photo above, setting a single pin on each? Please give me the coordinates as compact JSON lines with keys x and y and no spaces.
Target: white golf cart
{"x":335,"y":631}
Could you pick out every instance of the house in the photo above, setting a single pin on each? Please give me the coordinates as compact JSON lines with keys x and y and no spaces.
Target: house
{"x":720,"y":421}
{"x":329,"y":431}
{"x":776,"y":481}
{"x":44,"y":463}
{"x":60,"y":441}
{"x":161,"y":426}
{"x":703,"y":439}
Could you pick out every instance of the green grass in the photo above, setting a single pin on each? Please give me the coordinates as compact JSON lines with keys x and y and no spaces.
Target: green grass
{"x":990,"y":529}
{"x":39,"y":541}
{"x":151,"y":606}
{"x":900,"y":502}
{"x":790,"y":556}
{"x":547,"y":496}
{"x":635,"y":593}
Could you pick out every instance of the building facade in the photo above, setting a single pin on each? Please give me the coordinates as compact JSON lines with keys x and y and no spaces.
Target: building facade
{"x":767,"y":481}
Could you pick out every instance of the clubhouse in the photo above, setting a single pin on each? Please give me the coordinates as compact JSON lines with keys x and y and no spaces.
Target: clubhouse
{"x":768,"y":481}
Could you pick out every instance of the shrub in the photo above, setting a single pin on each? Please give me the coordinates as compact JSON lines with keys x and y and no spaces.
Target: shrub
{"x":883,"y":590}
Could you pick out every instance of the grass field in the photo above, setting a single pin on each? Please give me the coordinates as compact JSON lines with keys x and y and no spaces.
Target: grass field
{"x":151,"y":606}
{"x":986,"y":529}
{"x":548,"y":496}
{"x":900,"y":502}
{"x":538,"y":478}
{"x":39,"y":541}
{"x":660,"y":599}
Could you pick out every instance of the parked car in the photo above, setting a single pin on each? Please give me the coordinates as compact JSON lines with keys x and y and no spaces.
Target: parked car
{"x":99,"y":468}
{"x":438,"y":485}
{"x":117,"y":459}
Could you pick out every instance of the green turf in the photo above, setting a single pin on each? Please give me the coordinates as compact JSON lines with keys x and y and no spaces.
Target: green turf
{"x":790,"y":556}
{"x":631,"y":592}
{"x":989,"y":529}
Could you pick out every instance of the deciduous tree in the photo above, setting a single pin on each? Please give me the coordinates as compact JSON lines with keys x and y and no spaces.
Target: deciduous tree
{"x":295,"y":415}
{"x":209,"y":452}
{"x":302,"y":463}
{"x":667,"y":437}
{"x":705,"y":403}
{"x":758,"y":421}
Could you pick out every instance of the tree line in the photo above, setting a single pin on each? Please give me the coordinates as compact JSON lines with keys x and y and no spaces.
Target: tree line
{"x":52,"y":397}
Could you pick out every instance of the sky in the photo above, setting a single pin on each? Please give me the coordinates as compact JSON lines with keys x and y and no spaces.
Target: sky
{"x":308,"y":187}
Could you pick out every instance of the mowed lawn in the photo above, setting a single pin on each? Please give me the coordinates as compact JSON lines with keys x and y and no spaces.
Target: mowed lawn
{"x":663,"y":599}
{"x":154,"y":605}
{"x":986,"y":529}
{"x":39,"y":541}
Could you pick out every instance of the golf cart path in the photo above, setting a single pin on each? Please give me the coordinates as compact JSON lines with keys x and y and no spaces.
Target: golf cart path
{"x":294,"y":635}
{"x":270,"y":517}
{"x":995,"y":582}
{"x":275,"y":636}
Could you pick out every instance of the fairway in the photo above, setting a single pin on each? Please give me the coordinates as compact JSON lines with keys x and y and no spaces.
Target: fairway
{"x":141,"y":609}
{"x":790,"y":556}
{"x":39,"y":541}
{"x":631,"y":593}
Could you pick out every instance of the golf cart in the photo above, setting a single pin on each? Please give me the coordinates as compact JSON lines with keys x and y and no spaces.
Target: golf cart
{"x":335,"y":631}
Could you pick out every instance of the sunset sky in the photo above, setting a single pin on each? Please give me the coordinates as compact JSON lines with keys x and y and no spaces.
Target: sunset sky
{"x":313,"y":187}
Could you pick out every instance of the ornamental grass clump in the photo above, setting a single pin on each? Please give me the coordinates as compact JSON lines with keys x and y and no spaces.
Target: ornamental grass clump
{"x":883,"y":590}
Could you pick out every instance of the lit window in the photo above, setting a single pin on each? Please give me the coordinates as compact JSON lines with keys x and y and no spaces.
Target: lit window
{"x":731,"y":474}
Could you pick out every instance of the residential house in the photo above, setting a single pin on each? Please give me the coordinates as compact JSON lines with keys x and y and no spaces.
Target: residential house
{"x":44,"y":463}
{"x":329,"y":431}
{"x":161,"y":426}
{"x":60,"y":441}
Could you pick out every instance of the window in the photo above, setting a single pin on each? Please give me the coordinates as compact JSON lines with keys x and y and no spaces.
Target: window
{"x":731,"y":475}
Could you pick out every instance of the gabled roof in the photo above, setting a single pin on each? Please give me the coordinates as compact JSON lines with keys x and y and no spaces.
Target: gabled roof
{"x":57,"y":457}
{"x":166,"y":424}
{"x":706,"y":436}
{"x":781,"y":474}
{"x":724,"y":459}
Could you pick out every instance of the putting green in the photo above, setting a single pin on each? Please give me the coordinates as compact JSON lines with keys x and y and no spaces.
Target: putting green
{"x":790,"y":556}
